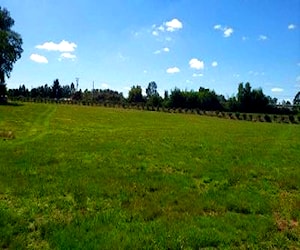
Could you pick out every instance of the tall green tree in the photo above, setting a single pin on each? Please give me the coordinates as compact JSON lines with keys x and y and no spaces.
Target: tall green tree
{"x":10,"y":47}
{"x":151,"y":89}
{"x":135,"y":94}
{"x":297,"y":99}
{"x":153,"y":97}
{"x":56,"y":89}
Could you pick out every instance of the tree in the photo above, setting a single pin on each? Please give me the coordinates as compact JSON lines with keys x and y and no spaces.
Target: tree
{"x":56,"y":89}
{"x":251,"y":100}
{"x":151,"y":89}
{"x":10,"y":46}
{"x":153,"y":97}
{"x":135,"y":94}
{"x":297,"y":99}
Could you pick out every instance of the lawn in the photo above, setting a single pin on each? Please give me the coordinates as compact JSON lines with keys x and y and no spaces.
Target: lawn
{"x":79,"y":177}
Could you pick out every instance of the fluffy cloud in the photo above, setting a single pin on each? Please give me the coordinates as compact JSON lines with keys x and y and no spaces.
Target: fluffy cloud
{"x":218,"y":27}
{"x":277,"y":90}
{"x":67,"y":55}
{"x":169,"y":26}
{"x":214,"y":64}
{"x":292,"y":26}
{"x":197,"y":75}
{"x":173,"y":25}
{"x":262,"y":38}
{"x":196,"y":64}
{"x":63,"y":46}
{"x":155,"y":33}
{"x":227,"y":31}
{"x":38,"y":58}
{"x":162,"y":50}
{"x":173,"y":70}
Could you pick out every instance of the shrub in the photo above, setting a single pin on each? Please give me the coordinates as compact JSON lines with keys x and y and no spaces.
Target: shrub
{"x":292,"y":119}
{"x":268,"y":118}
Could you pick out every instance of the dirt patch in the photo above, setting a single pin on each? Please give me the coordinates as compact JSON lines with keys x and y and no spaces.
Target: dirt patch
{"x":285,"y":224}
{"x":6,"y":135}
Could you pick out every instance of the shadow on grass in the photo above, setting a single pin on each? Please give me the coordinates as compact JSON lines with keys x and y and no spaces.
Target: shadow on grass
{"x":14,"y":104}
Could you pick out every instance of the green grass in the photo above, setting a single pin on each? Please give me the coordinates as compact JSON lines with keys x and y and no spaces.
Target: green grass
{"x":76,"y":177}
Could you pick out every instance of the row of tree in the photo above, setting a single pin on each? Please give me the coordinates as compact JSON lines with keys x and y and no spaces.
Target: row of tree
{"x":247,"y":99}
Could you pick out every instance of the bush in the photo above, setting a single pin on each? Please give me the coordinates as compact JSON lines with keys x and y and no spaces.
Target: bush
{"x":292,"y":119}
{"x":268,"y":118}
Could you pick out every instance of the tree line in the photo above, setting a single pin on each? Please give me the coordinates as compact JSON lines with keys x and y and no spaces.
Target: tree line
{"x":247,"y":99}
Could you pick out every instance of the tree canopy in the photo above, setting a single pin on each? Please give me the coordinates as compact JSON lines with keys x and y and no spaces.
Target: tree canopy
{"x":10,"y":45}
{"x":297,"y":99}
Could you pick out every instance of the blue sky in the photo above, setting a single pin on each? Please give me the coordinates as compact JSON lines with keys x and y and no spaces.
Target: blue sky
{"x":177,"y":43}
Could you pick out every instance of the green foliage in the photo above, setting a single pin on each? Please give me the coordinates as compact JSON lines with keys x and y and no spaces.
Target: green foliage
{"x":247,"y":100}
{"x":250,"y":100}
{"x":203,"y":99}
{"x":75,"y":177}
{"x":10,"y":45}
{"x":135,"y":95}
{"x":153,"y":98}
{"x":297,"y":99}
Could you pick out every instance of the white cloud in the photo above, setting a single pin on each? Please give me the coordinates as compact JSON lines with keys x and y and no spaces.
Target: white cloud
{"x":214,"y":64}
{"x":162,"y":50}
{"x":104,"y":85}
{"x":38,"y":58}
{"x":197,"y":75}
{"x":169,"y":26}
{"x":196,"y":64}
{"x":173,"y":70}
{"x":262,"y":38}
{"x":244,"y":38}
{"x":63,"y":46}
{"x":228,"y":32}
{"x":155,"y":33}
{"x":277,"y":90}
{"x":217,"y":27}
{"x":67,"y":55}
{"x":161,"y":28}
{"x":292,"y":26}
{"x":173,"y":25}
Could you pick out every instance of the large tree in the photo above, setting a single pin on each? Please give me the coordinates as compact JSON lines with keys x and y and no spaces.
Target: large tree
{"x":153,"y":97}
{"x":297,"y":99}
{"x":10,"y":46}
{"x":135,"y":94}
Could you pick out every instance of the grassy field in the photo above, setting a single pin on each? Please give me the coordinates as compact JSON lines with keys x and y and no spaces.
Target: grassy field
{"x":77,"y":177}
